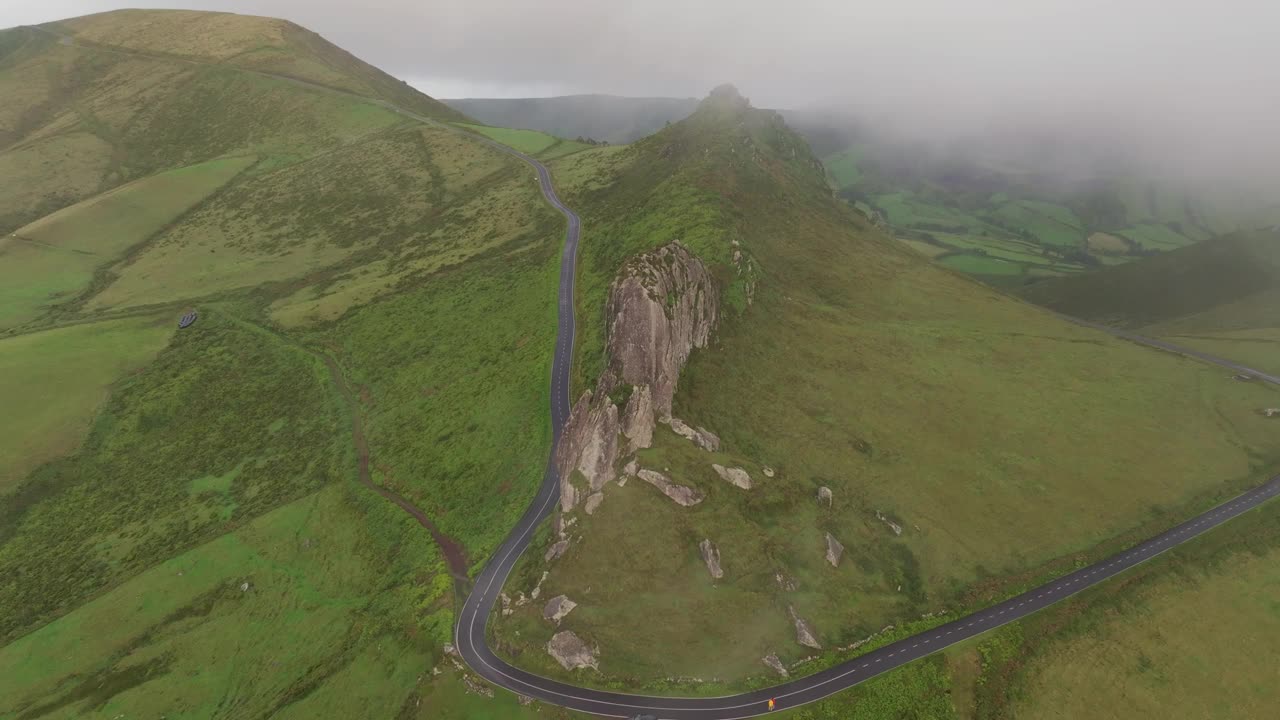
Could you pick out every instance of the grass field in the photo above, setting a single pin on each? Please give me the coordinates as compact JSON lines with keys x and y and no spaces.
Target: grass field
{"x":54,"y":382}
{"x":531,"y":142}
{"x":53,"y":259}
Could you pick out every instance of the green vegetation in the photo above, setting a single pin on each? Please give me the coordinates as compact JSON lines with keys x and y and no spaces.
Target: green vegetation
{"x":364,"y":282}
{"x":862,"y":368}
{"x":531,"y":142}
{"x":80,"y":362}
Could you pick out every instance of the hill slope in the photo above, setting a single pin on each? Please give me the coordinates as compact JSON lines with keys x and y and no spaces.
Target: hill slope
{"x":946,"y":420}
{"x":375,"y":292}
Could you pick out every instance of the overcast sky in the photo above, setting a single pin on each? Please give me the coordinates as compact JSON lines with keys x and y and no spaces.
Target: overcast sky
{"x":1193,"y":69}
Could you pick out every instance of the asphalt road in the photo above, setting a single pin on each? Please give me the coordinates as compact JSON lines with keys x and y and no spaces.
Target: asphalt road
{"x":470,"y":639}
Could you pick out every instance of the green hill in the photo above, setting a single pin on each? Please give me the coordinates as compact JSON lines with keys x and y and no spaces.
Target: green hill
{"x":950,"y":423}
{"x":170,"y":499}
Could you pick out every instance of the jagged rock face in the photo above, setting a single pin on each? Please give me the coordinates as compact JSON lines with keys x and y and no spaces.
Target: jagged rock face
{"x":834,"y":551}
{"x":557,"y":607}
{"x":593,"y":502}
{"x":711,"y":556}
{"x":775,"y":664}
{"x":685,"y":496}
{"x":804,"y":632}
{"x":589,"y":445}
{"x":662,"y":305}
{"x":571,"y":652}
{"x":734,"y":476}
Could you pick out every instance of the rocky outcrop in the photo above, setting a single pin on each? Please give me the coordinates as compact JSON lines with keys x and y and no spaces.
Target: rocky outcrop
{"x":734,"y":476}
{"x":557,"y":607}
{"x":663,"y":304}
{"x":775,"y":664}
{"x":824,"y":496}
{"x":711,"y":556}
{"x":589,"y":445}
{"x":701,"y":437}
{"x":555,"y":551}
{"x":685,"y":496}
{"x":785,"y":583}
{"x":804,"y":633}
{"x":593,"y":502}
{"x":571,"y":652}
{"x":834,"y":551}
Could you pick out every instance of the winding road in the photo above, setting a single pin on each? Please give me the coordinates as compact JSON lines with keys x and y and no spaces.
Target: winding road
{"x":469,"y":635}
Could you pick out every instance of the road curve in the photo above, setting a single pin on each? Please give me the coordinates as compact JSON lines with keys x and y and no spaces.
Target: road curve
{"x":470,"y":638}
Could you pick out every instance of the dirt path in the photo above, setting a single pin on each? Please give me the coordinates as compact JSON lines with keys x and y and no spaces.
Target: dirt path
{"x":454,"y":554}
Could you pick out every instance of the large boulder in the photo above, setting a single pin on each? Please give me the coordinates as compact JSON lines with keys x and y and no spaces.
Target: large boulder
{"x":734,"y":476}
{"x":711,"y":556}
{"x":834,"y":551}
{"x":775,"y":664}
{"x":589,"y":445}
{"x":804,"y":632}
{"x":593,"y":502}
{"x":557,"y":607}
{"x":824,"y":496}
{"x":556,"y":550}
{"x":571,"y":652}
{"x":701,"y":437}
{"x":685,"y":496}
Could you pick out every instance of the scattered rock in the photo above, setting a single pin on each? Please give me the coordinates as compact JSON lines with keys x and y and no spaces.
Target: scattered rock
{"x":701,"y":437}
{"x":711,"y":556}
{"x":557,"y":607}
{"x":775,"y":664}
{"x":784,"y":582}
{"x":895,"y":527}
{"x":244,"y":587}
{"x":477,"y":686}
{"x":593,"y":502}
{"x":804,"y":633}
{"x":834,"y":551}
{"x":735,"y":476}
{"x":824,"y":495}
{"x":524,"y":699}
{"x":506,"y":604}
{"x":537,"y":589}
{"x":768,"y":471}
{"x":685,"y":496}
{"x":555,"y":551}
{"x":449,"y":649}
{"x":571,"y":652}
{"x":1271,"y":412}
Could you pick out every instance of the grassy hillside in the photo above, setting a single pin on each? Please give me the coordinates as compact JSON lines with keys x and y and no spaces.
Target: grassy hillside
{"x":918,"y":396}
{"x":187,"y":525}
{"x":606,"y":118}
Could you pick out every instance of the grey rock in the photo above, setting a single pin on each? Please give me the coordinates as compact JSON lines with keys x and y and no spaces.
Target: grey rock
{"x":663,"y":304}
{"x":804,"y":632}
{"x":701,"y":437}
{"x":834,"y":551}
{"x":685,"y":496}
{"x":825,"y":496}
{"x":734,"y":476}
{"x":784,"y":583}
{"x":768,"y":471}
{"x":711,"y":556}
{"x":555,"y":551}
{"x":593,"y":502}
{"x":775,"y":664}
{"x":571,"y":652}
{"x":557,"y":607}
